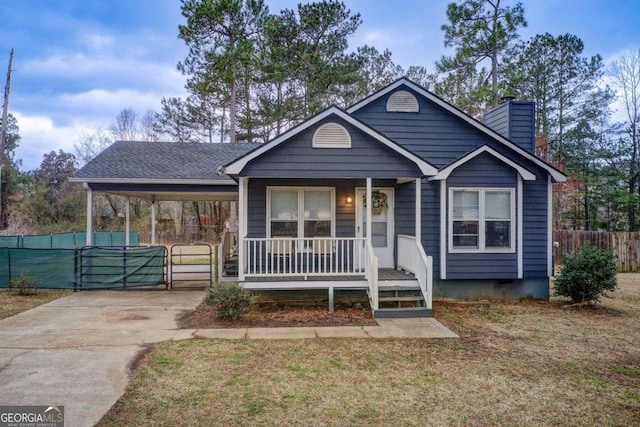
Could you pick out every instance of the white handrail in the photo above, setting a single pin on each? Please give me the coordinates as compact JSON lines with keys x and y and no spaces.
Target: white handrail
{"x":407,"y":254}
{"x":425,"y":275}
{"x":372,"y":275}
{"x":413,"y":258}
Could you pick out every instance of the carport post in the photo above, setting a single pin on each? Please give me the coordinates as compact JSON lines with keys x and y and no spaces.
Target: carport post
{"x":153,"y":222}
{"x":89,"y":239}
{"x":127,"y":228}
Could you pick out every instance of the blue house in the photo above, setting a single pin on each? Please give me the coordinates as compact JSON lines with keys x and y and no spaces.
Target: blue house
{"x":402,"y":195}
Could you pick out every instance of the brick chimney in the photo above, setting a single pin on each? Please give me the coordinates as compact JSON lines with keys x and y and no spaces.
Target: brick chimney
{"x":514,"y":120}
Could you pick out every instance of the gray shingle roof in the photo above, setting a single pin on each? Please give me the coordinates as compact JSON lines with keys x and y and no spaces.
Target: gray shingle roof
{"x":162,"y":160}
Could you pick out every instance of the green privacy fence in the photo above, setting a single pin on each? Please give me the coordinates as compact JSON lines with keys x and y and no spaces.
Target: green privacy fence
{"x":69,"y":240}
{"x":86,"y":268}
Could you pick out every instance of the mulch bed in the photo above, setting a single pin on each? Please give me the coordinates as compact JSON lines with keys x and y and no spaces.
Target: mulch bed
{"x":275,"y":315}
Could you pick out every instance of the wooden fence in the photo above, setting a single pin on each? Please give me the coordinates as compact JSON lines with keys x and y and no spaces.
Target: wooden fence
{"x":626,"y":246}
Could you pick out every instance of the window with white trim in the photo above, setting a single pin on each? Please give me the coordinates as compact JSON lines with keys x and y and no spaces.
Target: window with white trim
{"x":300,"y":212}
{"x":481,"y":220}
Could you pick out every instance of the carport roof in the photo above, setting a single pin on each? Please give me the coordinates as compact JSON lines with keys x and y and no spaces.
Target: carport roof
{"x":161,"y":162}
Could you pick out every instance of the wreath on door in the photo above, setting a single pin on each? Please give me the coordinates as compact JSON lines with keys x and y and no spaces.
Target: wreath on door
{"x":379,"y":200}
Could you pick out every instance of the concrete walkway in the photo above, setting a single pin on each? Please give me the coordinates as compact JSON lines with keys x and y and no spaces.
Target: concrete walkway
{"x":388,"y":328}
{"x":77,"y":351}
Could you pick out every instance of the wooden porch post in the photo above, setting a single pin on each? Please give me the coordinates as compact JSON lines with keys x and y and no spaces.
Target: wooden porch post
{"x":127,"y":220}
{"x":89,"y":238}
{"x":369,"y":206}
{"x":153,"y":222}
{"x":418,"y":210}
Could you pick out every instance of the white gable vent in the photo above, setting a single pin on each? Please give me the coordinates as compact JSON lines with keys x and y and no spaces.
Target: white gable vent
{"x":331,"y":135}
{"x":403,"y":101}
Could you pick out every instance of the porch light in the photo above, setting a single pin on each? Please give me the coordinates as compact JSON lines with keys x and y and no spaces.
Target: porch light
{"x":349,"y":199}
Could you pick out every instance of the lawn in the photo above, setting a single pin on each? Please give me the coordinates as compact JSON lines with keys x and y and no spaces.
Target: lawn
{"x":516,"y":364}
{"x":11,"y":303}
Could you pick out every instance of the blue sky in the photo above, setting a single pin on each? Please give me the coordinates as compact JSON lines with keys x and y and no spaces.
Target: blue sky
{"x":78,"y":62}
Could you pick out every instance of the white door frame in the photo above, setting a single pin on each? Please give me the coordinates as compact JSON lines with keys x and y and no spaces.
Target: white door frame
{"x":385,"y":255}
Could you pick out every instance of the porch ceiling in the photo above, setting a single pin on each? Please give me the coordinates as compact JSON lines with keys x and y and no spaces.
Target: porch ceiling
{"x":169,"y":191}
{"x":172,"y":196}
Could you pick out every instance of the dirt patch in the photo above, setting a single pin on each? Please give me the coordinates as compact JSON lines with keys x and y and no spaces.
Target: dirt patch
{"x":275,"y":315}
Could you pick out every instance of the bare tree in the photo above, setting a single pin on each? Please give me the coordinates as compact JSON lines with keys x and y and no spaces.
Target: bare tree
{"x":89,"y":145}
{"x":148,"y":127}
{"x":625,"y":74}
{"x":125,"y":125}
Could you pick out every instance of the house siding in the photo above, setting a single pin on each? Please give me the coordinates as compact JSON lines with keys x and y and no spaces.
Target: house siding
{"x":440,"y":137}
{"x":535,"y":227}
{"x":296,"y":158}
{"x":483,"y":171}
{"x":432,"y":133}
{"x":405,"y":209}
{"x":430,"y":198}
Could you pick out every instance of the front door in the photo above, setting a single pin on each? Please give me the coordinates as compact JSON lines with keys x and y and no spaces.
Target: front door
{"x":382,"y":227}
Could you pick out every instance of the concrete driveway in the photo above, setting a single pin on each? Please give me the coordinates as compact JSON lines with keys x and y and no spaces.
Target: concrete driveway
{"x":77,"y":351}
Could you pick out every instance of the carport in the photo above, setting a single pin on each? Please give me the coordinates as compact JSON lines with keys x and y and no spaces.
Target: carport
{"x":159,"y":171}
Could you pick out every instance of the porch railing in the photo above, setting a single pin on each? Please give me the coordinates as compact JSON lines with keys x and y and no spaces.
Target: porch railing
{"x":319,"y":256}
{"x":372,"y":275}
{"x":413,"y":258}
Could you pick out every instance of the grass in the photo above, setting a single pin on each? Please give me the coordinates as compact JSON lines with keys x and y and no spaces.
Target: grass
{"x":516,"y":364}
{"x":12,"y":304}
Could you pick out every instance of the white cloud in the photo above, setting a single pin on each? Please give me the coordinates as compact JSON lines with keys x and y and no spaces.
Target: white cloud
{"x":40,"y":135}
{"x":377,"y":38}
{"x":62,"y":120}
{"x":106,"y":70}
{"x":100,"y":102}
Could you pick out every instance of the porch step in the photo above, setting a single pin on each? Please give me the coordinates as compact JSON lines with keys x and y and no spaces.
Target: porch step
{"x":399,"y":313}
{"x":385,"y":288}
{"x":399,"y":299}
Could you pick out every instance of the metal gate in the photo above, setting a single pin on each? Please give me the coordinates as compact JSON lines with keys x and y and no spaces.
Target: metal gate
{"x":191,"y":265}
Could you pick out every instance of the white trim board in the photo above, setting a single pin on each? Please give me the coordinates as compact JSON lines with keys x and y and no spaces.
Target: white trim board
{"x":403,"y":81}
{"x":235,"y":167}
{"x":446,"y":171}
{"x":549,"y":228}
{"x":153,"y":181}
{"x":443,"y":229}
{"x":520,"y":220}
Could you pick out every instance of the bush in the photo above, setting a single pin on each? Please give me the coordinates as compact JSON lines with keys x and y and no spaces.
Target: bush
{"x":229,"y":300}
{"x":24,"y":284}
{"x":587,"y":274}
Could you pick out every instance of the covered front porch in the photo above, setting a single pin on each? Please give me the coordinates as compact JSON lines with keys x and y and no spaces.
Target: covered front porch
{"x":334,"y":234}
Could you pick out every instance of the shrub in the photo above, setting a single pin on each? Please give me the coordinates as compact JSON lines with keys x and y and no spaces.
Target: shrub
{"x":229,"y":300}
{"x":587,"y":274}
{"x":24,"y":284}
